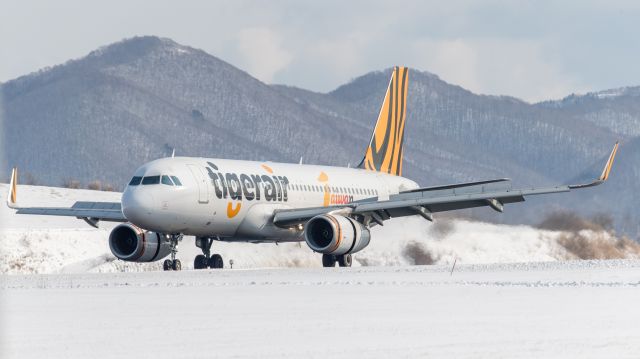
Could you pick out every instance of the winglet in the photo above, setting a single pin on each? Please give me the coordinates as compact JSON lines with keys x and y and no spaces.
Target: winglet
{"x":607,"y":168}
{"x":13,"y":184}
{"x":605,"y":172}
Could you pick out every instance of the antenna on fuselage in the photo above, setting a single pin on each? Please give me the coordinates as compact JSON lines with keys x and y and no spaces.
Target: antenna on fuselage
{"x":300,"y":160}
{"x":173,"y":152}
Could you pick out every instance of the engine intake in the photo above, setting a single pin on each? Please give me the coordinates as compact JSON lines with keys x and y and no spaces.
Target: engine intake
{"x":132,"y":244}
{"x":335,"y":234}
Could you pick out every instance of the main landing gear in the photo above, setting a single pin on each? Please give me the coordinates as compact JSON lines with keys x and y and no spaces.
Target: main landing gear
{"x":329,"y":260}
{"x":173,"y":263}
{"x":206,"y":260}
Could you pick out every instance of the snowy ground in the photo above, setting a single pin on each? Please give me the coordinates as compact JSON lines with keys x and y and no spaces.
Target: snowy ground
{"x":544,"y":310}
{"x":41,"y":244}
{"x":276,"y":302}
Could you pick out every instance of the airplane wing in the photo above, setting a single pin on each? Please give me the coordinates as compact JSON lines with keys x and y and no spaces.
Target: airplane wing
{"x":91,"y":212}
{"x":425,"y":201}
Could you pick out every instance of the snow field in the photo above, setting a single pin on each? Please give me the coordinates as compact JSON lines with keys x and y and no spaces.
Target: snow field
{"x":580,"y":309}
{"x":44,"y":244}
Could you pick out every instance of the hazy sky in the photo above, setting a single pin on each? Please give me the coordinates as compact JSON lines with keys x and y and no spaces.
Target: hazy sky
{"x":529,"y":49}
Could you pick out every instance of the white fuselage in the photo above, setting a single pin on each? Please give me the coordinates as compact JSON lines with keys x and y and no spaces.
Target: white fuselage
{"x":235,"y":200}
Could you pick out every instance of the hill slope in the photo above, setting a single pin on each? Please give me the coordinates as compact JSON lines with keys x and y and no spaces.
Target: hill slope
{"x":101,"y":116}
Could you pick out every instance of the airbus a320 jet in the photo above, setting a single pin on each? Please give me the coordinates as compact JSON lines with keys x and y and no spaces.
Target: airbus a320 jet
{"x":330,"y":208}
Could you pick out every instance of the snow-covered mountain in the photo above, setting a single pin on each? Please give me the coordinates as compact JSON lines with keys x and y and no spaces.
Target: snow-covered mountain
{"x":101,"y":116}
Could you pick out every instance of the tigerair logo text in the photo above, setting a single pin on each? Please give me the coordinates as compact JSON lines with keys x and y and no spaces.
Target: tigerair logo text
{"x":248,"y":186}
{"x":341,"y":198}
{"x":332,"y":198}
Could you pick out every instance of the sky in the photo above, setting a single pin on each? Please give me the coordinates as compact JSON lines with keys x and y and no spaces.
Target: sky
{"x":533,"y":50}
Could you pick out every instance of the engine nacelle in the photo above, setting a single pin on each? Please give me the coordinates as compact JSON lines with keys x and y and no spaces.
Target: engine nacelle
{"x":132,"y":244}
{"x":335,"y":234}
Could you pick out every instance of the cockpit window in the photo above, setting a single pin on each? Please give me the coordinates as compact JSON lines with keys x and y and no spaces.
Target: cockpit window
{"x":166,"y":180}
{"x":135,"y":181}
{"x":176,"y":181}
{"x":151,"y":180}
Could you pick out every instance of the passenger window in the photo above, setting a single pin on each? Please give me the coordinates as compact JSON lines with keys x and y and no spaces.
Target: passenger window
{"x":176,"y":181}
{"x":135,"y":181}
{"x":151,"y":180}
{"x":166,"y":180}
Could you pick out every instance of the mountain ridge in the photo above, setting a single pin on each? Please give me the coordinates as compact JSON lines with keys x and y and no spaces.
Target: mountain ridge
{"x":136,"y":100}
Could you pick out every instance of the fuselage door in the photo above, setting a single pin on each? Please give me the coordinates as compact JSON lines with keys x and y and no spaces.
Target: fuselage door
{"x":201,"y":180}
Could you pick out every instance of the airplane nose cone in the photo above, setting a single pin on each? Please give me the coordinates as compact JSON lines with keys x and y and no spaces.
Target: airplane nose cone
{"x":138,"y":206}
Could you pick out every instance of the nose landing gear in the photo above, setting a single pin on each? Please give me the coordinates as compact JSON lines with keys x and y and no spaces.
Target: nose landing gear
{"x":206,"y":260}
{"x":173,"y":263}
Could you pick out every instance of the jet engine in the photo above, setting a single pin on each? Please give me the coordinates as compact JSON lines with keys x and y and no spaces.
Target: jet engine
{"x":336,"y":234}
{"x":132,"y":244}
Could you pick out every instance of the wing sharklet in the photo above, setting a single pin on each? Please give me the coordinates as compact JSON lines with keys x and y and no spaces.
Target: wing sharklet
{"x":605,"y":172}
{"x":12,"y":198}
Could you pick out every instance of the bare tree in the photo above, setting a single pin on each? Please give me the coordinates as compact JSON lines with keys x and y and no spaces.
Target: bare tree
{"x":71,"y":183}
{"x":95,"y":185}
{"x":108,"y":187}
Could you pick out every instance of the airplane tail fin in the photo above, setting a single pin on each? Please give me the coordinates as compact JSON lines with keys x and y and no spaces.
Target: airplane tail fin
{"x":384,"y":153}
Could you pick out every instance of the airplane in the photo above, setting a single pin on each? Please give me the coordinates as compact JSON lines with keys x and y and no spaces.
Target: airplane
{"x":332,"y":209}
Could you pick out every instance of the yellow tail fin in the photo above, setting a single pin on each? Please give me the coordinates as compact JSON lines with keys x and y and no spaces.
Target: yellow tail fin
{"x":384,"y":153}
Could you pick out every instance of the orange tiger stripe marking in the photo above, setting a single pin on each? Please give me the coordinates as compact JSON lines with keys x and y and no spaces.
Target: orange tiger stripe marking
{"x":231,"y":211}
{"x":385,"y":150}
{"x":267,"y":168}
{"x":14,"y":180}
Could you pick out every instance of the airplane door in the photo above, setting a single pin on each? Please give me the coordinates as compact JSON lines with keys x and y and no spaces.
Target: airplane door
{"x":201,"y":179}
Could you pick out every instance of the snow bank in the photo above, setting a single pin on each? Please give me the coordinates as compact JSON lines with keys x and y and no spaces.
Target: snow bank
{"x":37,"y":244}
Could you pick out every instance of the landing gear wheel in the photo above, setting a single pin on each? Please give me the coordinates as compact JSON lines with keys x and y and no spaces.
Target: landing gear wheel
{"x":345,"y":260}
{"x":176,"y":265}
{"x":216,"y":261}
{"x":167,"y":264}
{"x":173,"y":263}
{"x":328,"y":260}
{"x":200,"y":262}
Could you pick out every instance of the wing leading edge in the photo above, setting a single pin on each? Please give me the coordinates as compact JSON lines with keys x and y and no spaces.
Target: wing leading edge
{"x":425,"y":201}
{"x":91,"y":212}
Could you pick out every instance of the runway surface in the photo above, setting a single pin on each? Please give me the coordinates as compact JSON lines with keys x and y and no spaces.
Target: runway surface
{"x":582,"y":309}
